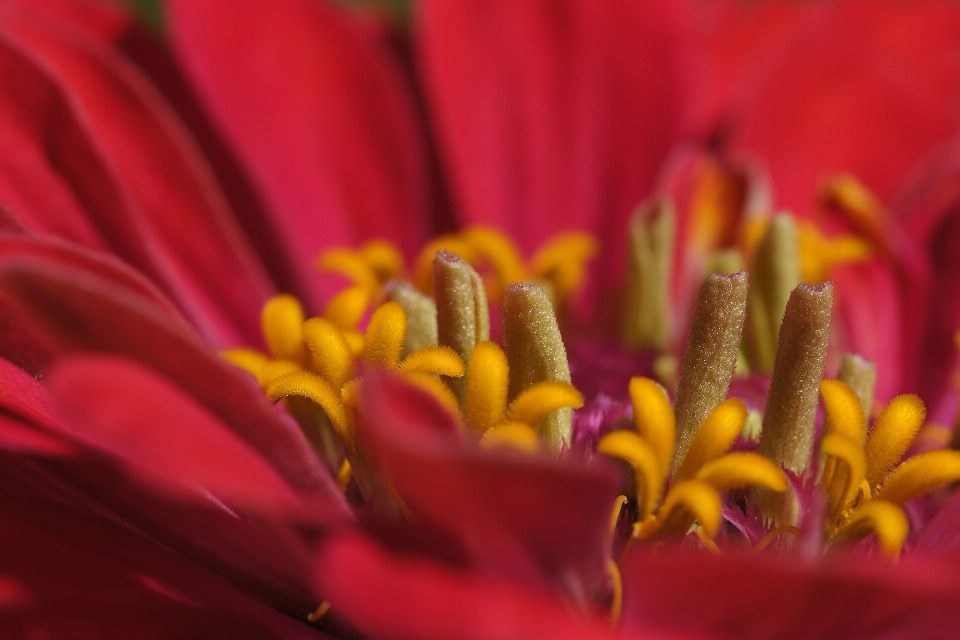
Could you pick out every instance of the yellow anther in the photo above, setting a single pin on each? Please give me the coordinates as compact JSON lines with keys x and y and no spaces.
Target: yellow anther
{"x":892,"y":434}
{"x":848,"y":472}
{"x":689,"y":502}
{"x":541,"y":399}
{"x":618,"y":505}
{"x":919,"y":475}
{"x":819,"y":255}
{"x":312,"y":387}
{"x":384,"y":259}
{"x":329,"y":352}
{"x":423,"y":267}
{"x":653,"y":417}
{"x":385,"y":333}
{"x":774,"y":534}
{"x":854,"y":199}
{"x":499,"y":251}
{"x":743,"y":469}
{"x":273,"y":370}
{"x":632,"y":448}
{"x":844,"y":411}
{"x":352,"y":266}
{"x":437,"y":360}
{"x":563,"y":261}
{"x":714,"y":437}
{"x":281,"y":320}
{"x":250,"y":360}
{"x":488,"y":377}
{"x":441,"y":392}
{"x":356,"y":340}
{"x":617,"y":603}
{"x":513,"y":435}
{"x":707,"y":543}
{"x":344,"y":474}
{"x":347,"y":307}
{"x":319,"y":612}
{"x":885,"y":519}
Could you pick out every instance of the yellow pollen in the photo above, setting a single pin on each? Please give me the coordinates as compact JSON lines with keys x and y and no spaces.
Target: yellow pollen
{"x":743,"y":469}
{"x":617,"y":603}
{"x":649,"y":474}
{"x":714,"y":437}
{"x":385,"y":334}
{"x":329,"y":352}
{"x":250,"y":360}
{"x":919,"y":475}
{"x":845,"y":475}
{"x":892,"y":434}
{"x":344,"y":474}
{"x":654,"y":418}
{"x":774,"y":534}
{"x":488,"y":377}
{"x":844,"y":411}
{"x":436,"y":360}
{"x":312,"y":387}
{"x":281,"y":320}
{"x":513,"y":435}
{"x":347,"y":307}
{"x":541,"y":399}
{"x":319,"y":612}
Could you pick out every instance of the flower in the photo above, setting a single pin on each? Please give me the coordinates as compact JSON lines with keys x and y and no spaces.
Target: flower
{"x":379,"y":499}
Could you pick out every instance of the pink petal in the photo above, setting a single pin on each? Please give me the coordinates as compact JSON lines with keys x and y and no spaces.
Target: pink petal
{"x":319,"y":118}
{"x":554,"y":115}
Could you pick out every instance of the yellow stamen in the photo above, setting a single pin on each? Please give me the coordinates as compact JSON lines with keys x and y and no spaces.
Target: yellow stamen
{"x":618,"y":505}
{"x":688,"y":502}
{"x":819,"y":255}
{"x":356,"y":340}
{"x":250,"y":360}
{"x":350,"y":393}
{"x":281,"y":320}
{"x":653,"y":417}
{"x":844,"y":411}
{"x":273,"y":370}
{"x":707,"y":543}
{"x":385,"y":333}
{"x":649,"y":474}
{"x":488,"y":376}
{"x":714,"y":437}
{"x":319,"y":612}
{"x":500,"y":252}
{"x":347,"y":307}
{"x":423,"y":267}
{"x":849,"y":470}
{"x":352,"y":266}
{"x":441,"y":392}
{"x":311,"y":386}
{"x":885,"y":519}
{"x":919,"y":475}
{"x":892,"y":434}
{"x":513,"y":435}
{"x":383,"y":258}
{"x":617,"y":603}
{"x":344,"y":474}
{"x":542,"y":399}
{"x":437,"y":360}
{"x":330,"y":353}
{"x":743,"y":469}
{"x":774,"y":534}
{"x":563,"y":260}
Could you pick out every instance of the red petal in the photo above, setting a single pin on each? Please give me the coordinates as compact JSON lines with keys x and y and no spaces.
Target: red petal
{"x":554,"y":115}
{"x":27,"y":414}
{"x":320,"y":119}
{"x":746,"y":597}
{"x":528,"y":517}
{"x":164,"y":436}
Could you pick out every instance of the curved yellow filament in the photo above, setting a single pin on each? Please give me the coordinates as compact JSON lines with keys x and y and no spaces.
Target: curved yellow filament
{"x":654,"y":418}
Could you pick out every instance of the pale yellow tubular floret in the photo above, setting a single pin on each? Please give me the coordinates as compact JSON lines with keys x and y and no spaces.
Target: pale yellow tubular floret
{"x":347,"y":307}
{"x":919,"y":475}
{"x":500,"y":252}
{"x":329,"y":352}
{"x":273,"y":370}
{"x":438,"y":360}
{"x":850,"y":471}
{"x":281,"y":320}
{"x":352,"y":266}
{"x":250,"y":360}
{"x":844,"y":412}
{"x":653,"y":417}
{"x":488,"y":377}
{"x":308,"y":385}
{"x":513,"y":435}
{"x":385,"y":333}
{"x":714,"y":437}
{"x":884,"y":518}
{"x":563,"y":261}
{"x":892,"y":434}
{"x":632,"y":448}
{"x":436,"y":388}
{"x":541,"y":399}
{"x":688,"y":502}
{"x":384,"y":258}
{"x":743,"y":469}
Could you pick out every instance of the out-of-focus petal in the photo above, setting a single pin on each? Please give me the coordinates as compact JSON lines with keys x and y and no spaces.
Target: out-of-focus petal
{"x":554,"y":115}
{"x":318,"y":116}
{"x":27,"y":414}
